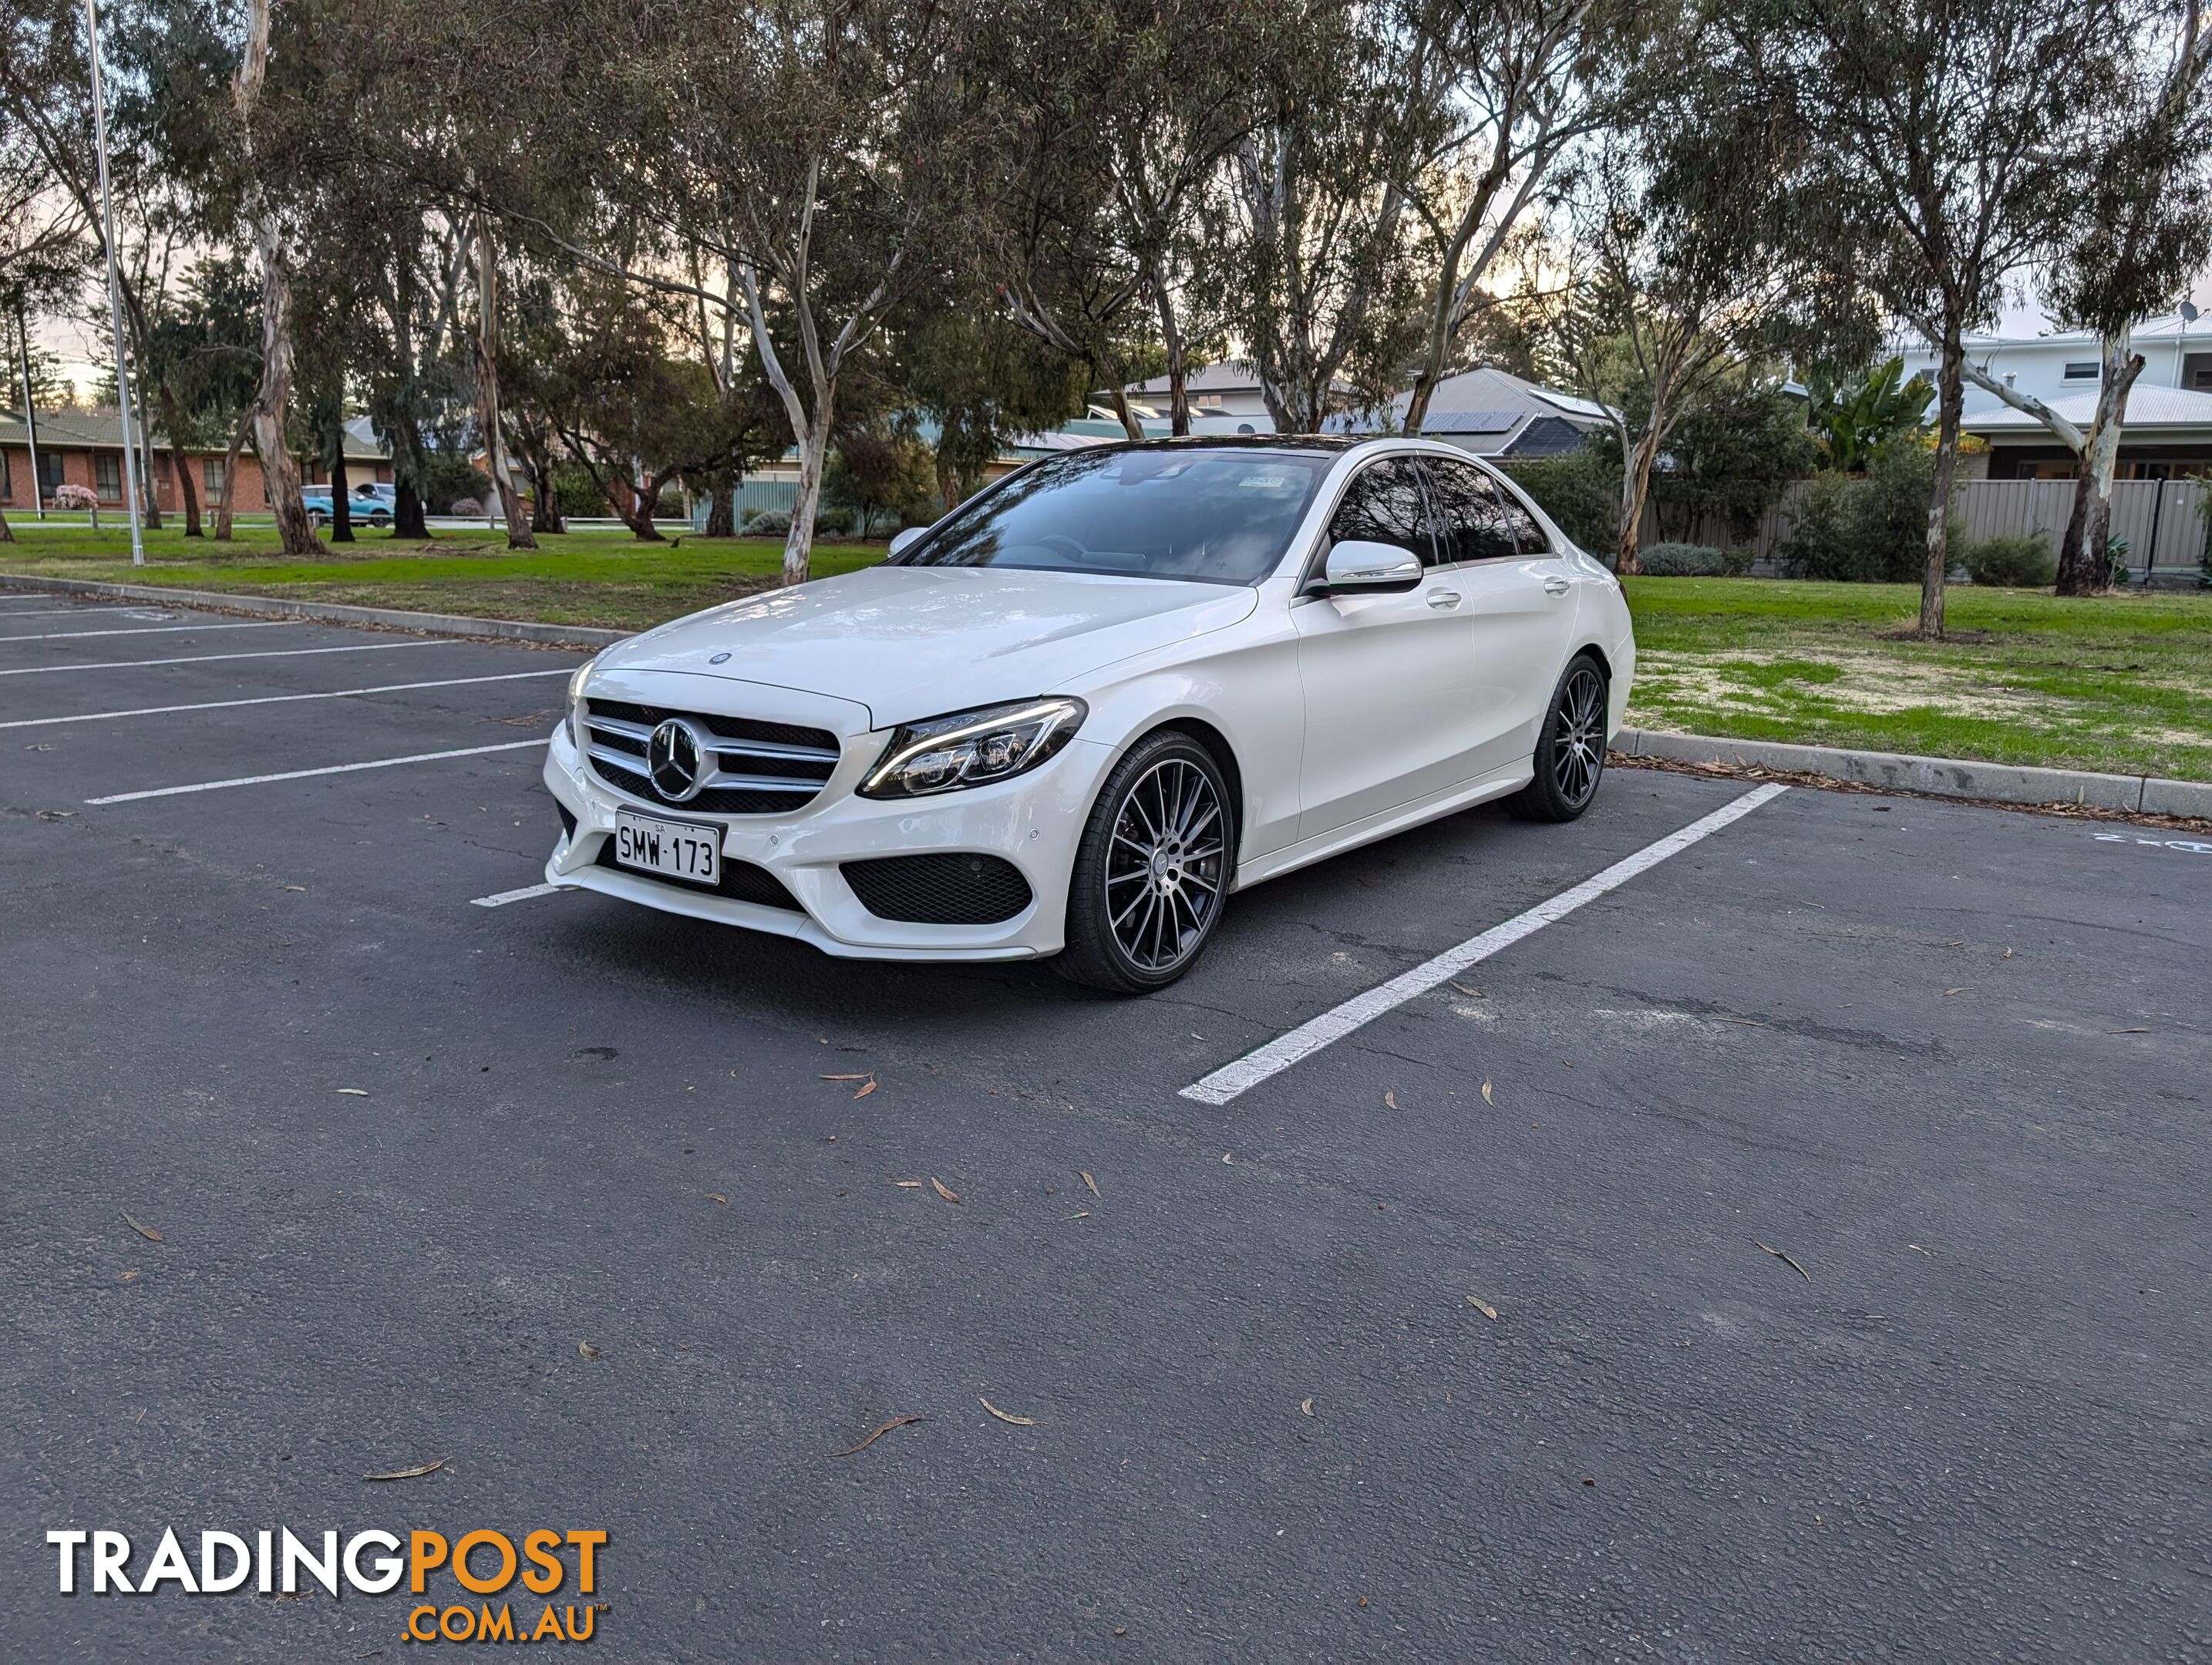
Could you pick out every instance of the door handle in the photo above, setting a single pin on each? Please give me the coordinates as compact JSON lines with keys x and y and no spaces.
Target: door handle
{"x":1556,"y":586}
{"x":1443,"y":600}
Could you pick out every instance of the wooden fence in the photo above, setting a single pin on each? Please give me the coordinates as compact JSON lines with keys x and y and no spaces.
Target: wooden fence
{"x":2163,"y":521}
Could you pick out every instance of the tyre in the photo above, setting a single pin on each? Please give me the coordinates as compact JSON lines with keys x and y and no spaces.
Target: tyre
{"x":380,"y":519}
{"x":1570,"y":745}
{"x":1152,"y":870}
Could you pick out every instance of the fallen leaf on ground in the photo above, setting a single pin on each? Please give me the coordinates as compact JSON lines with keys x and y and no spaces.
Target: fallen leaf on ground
{"x":943,"y":1189}
{"x":1005,"y":1416}
{"x":295,"y":887}
{"x":908,"y":1184}
{"x":1929,"y":1253}
{"x":857,"y":1075}
{"x":1306,"y":1405}
{"x":1793,"y":1265}
{"x":869,"y":1087}
{"x":128,"y":1275}
{"x":1948,"y":992}
{"x":56,"y":815}
{"x":355,"y":1092}
{"x":146,"y":1231}
{"x":716,"y":1196}
{"x":587,"y":1350}
{"x":420,"y":1469}
{"x":1093,"y":1184}
{"x":2127,"y":1031}
{"x":1085,"y":1215}
{"x":1486,"y":1098}
{"x":1484,"y":1308}
{"x":875,"y":1434}
{"x":1391,"y":1100}
{"x":1471,"y":994}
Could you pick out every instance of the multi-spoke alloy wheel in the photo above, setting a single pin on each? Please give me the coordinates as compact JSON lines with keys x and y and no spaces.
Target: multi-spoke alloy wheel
{"x":1152,"y":870}
{"x":1571,"y":746}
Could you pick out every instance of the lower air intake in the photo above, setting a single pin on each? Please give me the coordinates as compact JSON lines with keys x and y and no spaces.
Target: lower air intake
{"x":939,"y":889}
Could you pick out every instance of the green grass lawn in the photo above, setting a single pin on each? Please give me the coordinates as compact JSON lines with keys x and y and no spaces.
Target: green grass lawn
{"x":2121,"y":683}
{"x":578,"y":578}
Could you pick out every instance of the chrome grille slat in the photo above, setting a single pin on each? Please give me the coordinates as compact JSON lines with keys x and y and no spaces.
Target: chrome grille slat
{"x":617,"y":745}
{"x":721,"y":747}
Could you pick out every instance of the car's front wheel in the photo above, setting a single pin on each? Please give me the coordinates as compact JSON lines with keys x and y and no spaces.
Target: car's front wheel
{"x":1152,"y":870}
{"x":1569,"y":746}
{"x":380,"y":519}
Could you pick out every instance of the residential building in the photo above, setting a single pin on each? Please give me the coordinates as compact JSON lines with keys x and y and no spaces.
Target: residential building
{"x":85,"y":448}
{"x":1492,"y":413}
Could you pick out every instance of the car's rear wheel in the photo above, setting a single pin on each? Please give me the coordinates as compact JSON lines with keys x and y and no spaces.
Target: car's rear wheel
{"x":1570,"y":745}
{"x":1152,"y":870}
{"x":380,"y":519}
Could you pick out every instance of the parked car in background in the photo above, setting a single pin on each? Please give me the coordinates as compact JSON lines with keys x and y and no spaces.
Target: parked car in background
{"x":370,"y":502}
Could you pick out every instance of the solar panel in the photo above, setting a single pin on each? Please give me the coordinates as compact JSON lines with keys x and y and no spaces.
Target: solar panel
{"x":1470,"y":421}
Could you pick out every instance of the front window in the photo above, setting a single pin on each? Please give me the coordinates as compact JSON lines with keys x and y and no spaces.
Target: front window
{"x":1384,"y":504}
{"x":1212,"y":516}
{"x":211,"y":473}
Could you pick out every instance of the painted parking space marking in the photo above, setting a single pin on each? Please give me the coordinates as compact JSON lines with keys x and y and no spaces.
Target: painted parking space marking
{"x":93,"y":611}
{"x":2186,"y":846}
{"x":281,"y":698}
{"x":212,"y":659}
{"x":524,"y":894}
{"x":1310,"y":1037}
{"x":156,"y":630}
{"x":309,"y":773}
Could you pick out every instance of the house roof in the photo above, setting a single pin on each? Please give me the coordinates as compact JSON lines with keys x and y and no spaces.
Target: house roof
{"x":2167,"y":326}
{"x":80,"y":431}
{"x":1488,"y":410}
{"x":1230,"y":376}
{"x":2149,"y":407}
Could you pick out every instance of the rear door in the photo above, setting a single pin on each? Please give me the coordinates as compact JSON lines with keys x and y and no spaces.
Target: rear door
{"x":1388,"y":679}
{"x":1519,"y":610}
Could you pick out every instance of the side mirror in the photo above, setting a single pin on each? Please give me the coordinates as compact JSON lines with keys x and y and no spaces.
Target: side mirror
{"x":908,"y":538}
{"x":1357,"y":567}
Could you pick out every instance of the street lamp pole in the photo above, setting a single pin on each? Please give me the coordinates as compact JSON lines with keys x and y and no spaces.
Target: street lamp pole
{"x":114,"y":286}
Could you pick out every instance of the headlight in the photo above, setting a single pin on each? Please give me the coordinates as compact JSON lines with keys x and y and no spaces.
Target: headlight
{"x":576,"y":703}
{"x":973,"y":748}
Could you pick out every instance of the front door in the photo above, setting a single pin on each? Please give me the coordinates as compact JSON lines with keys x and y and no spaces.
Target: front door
{"x":1387,"y":680}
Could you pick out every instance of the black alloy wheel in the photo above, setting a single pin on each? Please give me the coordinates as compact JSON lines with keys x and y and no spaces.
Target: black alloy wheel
{"x":1569,"y":756}
{"x":1152,"y":870}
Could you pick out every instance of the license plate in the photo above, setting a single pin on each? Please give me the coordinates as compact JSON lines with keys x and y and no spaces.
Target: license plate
{"x":669,"y":850}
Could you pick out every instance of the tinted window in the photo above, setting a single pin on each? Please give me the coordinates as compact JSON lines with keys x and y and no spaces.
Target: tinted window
{"x":1218,"y":516}
{"x":1478,"y":520}
{"x":1384,"y":505}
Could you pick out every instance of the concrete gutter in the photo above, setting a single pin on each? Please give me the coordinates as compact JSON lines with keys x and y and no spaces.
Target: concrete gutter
{"x":1939,"y":777}
{"x":331,"y":612}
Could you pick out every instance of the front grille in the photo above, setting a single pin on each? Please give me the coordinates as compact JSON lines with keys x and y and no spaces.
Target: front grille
{"x":939,"y":889}
{"x":741,"y":881}
{"x":761,"y":768}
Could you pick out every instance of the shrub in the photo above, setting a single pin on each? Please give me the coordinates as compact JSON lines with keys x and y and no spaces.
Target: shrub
{"x":1579,"y":488}
{"x":2023,"y":561}
{"x":467,"y":507}
{"x":1865,"y":529}
{"x":1681,"y":561}
{"x":73,"y":497}
{"x":447,"y":478}
{"x":832,"y":521}
{"x":768,"y":523}
{"x":2116,"y":562}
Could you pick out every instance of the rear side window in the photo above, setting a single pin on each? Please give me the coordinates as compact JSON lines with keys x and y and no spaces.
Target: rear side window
{"x":1476,"y":520}
{"x":1384,"y":505}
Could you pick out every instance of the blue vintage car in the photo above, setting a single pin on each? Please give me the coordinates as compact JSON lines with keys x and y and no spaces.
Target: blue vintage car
{"x":368,"y":502}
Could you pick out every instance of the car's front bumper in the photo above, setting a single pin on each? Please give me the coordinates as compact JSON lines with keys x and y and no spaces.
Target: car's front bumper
{"x":1034,"y":820}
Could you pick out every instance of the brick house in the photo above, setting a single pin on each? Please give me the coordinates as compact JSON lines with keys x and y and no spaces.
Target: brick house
{"x":85,"y":448}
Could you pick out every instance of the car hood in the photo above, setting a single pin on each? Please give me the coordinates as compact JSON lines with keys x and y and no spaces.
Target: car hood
{"x":917,"y":642}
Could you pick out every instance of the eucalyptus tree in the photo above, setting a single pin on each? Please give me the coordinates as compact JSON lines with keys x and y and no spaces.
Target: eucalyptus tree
{"x":1942,"y":146}
{"x":2139,"y":230}
{"x":1527,"y":79}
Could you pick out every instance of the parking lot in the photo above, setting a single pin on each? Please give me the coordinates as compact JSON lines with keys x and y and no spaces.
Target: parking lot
{"x":1796,"y":1251}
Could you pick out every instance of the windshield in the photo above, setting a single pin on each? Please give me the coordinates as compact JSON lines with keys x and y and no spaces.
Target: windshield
{"x":1216,"y":516}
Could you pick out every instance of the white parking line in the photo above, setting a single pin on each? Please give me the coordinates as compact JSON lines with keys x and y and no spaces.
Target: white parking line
{"x":306,"y":774}
{"x":281,"y":698}
{"x":1310,"y":1037}
{"x":156,"y":630}
{"x":211,"y":659}
{"x":57,"y":612}
{"x":523,"y":894}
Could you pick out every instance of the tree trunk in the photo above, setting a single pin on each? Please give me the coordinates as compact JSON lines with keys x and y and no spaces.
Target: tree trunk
{"x":1635,"y":488}
{"x":2084,"y":563}
{"x":341,"y":509}
{"x":544,"y":507}
{"x":148,"y":492}
{"x":185,"y":486}
{"x":6,"y":536}
{"x":1178,"y":357}
{"x":230,"y":474}
{"x":407,"y":515}
{"x":487,"y":368}
{"x":1130,"y":425}
{"x":407,"y":519}
{"x":813,"y":452}
{"x":720,"y":517}
{"x":294,"y":529}
{"x":1950,"y":394}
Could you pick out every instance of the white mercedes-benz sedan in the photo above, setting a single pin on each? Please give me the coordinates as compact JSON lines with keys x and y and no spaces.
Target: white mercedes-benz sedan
{"x":1076,"y":714}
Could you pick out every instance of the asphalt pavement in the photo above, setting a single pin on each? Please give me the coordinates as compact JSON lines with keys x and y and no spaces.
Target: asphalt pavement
{"x":1839,"y":1187}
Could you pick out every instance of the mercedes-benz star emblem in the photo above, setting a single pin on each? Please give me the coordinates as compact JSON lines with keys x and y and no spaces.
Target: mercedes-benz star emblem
{"x":675,"y":759}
